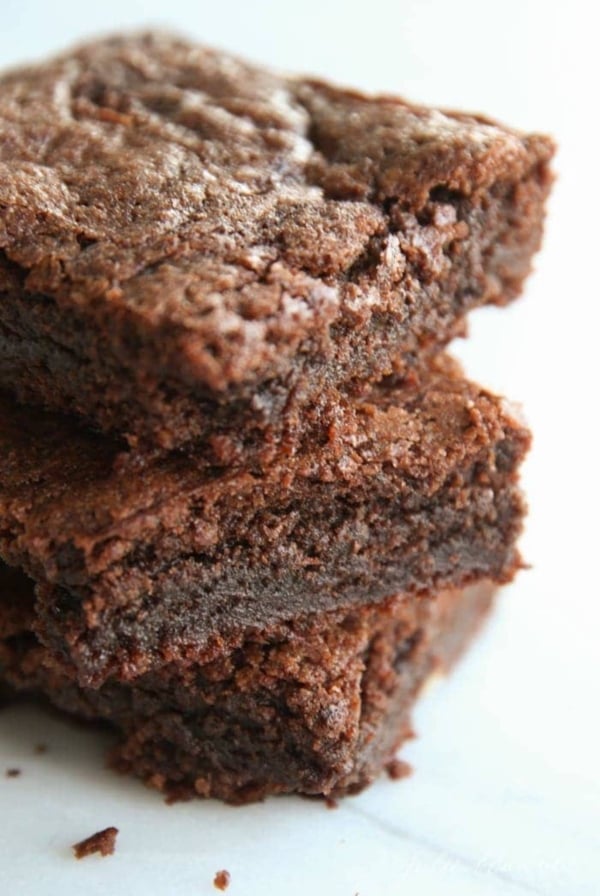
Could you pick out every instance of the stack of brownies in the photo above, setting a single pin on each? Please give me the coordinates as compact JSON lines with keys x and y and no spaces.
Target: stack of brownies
{"x":247,"y":504}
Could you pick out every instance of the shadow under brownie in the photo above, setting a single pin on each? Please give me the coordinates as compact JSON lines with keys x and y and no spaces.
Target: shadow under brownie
{"x":317,"y":704}
{"x":191,"y":245}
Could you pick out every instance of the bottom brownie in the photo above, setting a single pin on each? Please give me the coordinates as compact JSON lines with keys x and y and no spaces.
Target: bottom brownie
{"x":316,"y":705}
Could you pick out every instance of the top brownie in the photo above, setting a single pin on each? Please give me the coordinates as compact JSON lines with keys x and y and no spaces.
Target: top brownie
{"x":191,"y":244}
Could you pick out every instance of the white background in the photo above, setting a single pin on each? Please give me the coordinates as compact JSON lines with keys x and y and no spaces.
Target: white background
{"x":506,"y":794}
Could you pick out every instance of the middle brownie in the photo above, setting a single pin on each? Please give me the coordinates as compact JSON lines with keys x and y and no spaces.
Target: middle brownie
{"x":142,"y":562}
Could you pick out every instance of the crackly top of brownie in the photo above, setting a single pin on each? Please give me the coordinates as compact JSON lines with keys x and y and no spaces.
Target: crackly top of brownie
{"x":148,"y":179}
{"x":70,"y":498}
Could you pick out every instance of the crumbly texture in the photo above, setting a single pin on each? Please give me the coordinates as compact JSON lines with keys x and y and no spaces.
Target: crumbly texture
{"x":138,"y":565}
{"x":102,"y":843}
{"x":316,"y":705}
{"x":191,"y":245}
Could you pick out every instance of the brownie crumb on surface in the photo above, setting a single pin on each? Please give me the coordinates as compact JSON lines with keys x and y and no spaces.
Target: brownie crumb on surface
{"x":331,"y":803}
{"x":102,"y":842}
{"x":40,"y":749}
{"x":398,"y":769}
{"x":222,"y":880}
{"x":13,"y":772}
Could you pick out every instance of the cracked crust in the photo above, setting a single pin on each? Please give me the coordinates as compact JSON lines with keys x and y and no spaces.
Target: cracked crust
{"x":183,"y":233}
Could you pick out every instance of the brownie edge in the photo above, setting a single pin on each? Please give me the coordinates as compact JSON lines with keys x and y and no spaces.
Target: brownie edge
{"x":411,"y":491}
{"x":191,"y":245}
{"x":317,"y":705}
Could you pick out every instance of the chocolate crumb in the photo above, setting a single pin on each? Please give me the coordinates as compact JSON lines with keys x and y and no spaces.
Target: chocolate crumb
{"x":13,"y":772}
{"x":398,"y":769}
{"x":40,"y":748}
{"x":222,"y":879}
{"x":102,"y":842}
{"x":331,"y":803}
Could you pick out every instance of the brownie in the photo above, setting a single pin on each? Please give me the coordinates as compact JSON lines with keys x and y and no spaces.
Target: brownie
{"x":101,"y":843}
{"x":317,"y":704}
{"x":192,"y":246}
{"x":137,"y":564}
{"x":222,"y":880}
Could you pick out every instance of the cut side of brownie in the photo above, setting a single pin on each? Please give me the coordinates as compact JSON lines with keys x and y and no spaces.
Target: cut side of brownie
{"x":190,"y":244}
{"x":411,"y":489}
{"x":317,"y":704}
